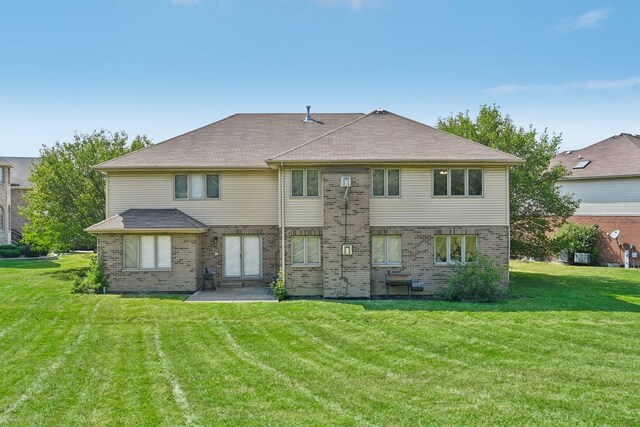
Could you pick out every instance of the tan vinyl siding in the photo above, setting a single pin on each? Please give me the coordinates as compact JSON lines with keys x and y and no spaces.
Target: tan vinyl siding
{"x":302,"y":211}
{"x":417,"y":206}
{"x":610,"y":196}
{"x":246,"y":197}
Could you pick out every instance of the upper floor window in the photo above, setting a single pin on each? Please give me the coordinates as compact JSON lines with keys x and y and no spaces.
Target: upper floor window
{"x":456,"y":248}
{"x":305,"y":250}
{"x":147,"y":252}
{"x":385,"y":182}
{"x":457,"y":182}
{"x":196,"y":186}
{"x":386,"y":250}
{"x":305,"y":183}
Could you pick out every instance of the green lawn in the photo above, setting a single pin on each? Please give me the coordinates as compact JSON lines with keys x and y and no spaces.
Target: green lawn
{"x":563,"y":350}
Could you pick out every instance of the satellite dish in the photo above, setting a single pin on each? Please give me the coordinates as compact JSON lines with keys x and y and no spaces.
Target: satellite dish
{"x":614,"y":234}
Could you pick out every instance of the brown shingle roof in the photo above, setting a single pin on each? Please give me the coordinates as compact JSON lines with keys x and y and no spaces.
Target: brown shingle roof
{"x":133,"y":220}
{"x":239,"y":141}
{"x":618,"y":155}
{"x":385,"y":136}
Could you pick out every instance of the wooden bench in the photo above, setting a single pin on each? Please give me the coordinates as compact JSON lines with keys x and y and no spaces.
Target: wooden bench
{"x":398,"y":279}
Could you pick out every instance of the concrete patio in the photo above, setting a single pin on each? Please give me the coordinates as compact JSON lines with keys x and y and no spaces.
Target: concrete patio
{"x":234,"y":294}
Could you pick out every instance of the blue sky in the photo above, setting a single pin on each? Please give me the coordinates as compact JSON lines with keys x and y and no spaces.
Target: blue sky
{"x":163,"y":67}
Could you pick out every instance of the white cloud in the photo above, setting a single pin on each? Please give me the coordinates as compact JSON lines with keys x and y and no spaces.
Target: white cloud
{"x":351,"y":4}
{"x":586,"y":20}
{"x":564,"y":87}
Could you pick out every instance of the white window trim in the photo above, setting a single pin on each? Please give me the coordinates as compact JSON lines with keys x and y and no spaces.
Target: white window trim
{"x":188,"y":175}
{"x":306,"y":262}
{"x":386,"y":262}
{"x":386,"y":183}
{"x":139,"y":254}
{"x":463,"y":238}
{"x":466,"y":183}
{"x":304,"y":184}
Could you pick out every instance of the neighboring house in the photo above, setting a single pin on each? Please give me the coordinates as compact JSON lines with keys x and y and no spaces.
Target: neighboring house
{"x":606,"y":178}
{"x":5,"y":201}
{"x":20,"y":184}
{"x":336,"y":199}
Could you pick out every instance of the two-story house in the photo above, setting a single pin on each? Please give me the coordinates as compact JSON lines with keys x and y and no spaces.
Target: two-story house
{"x":337,"y":200}
{"x":5,"y":201}
{"x":605,"y":177}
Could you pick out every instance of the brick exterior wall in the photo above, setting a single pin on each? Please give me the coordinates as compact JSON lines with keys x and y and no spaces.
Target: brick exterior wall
{"x":270,"y":239}
{"x":346,"y":276}
{"x":5,"y":229}
{"x":418,"y":255}
{"x":183,"y":276}
{"x":303,"y":281}
{"x":18,"y":221}
{"x":629,"y":227}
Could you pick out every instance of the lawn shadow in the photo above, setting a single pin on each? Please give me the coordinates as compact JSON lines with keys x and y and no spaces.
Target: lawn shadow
{"x":28,"y":265}
{"x":153,"y":295}
{"x":67,"y":274}
{"x":535,"y":292}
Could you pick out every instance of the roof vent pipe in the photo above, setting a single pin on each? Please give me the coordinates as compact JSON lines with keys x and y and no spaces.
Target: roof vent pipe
{"x":308,"y":118}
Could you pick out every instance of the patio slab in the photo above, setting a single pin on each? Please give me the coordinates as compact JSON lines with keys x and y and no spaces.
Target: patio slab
{"x":234,"y":294}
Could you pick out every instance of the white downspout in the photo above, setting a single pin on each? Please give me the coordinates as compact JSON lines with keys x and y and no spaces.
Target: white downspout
{"x":282,"y":219}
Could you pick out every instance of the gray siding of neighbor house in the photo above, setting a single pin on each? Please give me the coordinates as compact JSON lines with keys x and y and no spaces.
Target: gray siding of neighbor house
{"x":605,"y":196}
{"x":18,"y":220}
{"x":5,"y":203}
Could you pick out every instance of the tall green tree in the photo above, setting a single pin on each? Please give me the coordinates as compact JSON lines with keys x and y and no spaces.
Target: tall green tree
{"x":537,"y":207}
{"x":67,"y":195}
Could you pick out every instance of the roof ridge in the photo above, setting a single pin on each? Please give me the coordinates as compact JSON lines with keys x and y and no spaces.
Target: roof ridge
{"x":166,"y":140}
{"x":321,"y":136}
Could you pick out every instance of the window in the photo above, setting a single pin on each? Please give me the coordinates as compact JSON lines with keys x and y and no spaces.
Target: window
{"x":196,"y":186}
{"x":1,"y":218}
{"x":386,"y":250}
{"x":582,"y":164}
{"x":147,"y":252}
{"x":305,"y":250}
{"x":305,"y":183}
{"x":457,"y":182}
{"x":1,"y":175}
{"x":385,"y":182}
{"x":456,"y":248}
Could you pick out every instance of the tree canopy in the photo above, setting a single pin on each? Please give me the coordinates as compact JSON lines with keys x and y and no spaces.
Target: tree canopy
{"x":67,"y":195}
{"x":537,"y":207}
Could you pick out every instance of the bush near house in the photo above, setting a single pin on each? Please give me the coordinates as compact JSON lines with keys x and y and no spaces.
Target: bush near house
{"x":14,"y":251}
{"x":475,"y":281}
{"x":574,"y":237}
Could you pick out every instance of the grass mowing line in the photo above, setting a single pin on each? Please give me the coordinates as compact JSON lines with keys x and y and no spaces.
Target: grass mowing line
{"x":323,"y":363}
{"x":178,"y":394}
{"x":251,"y":359}
{"x":39,"y":383}
{"x":13,"y":326}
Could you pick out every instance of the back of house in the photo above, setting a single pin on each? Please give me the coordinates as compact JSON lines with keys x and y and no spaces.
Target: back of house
{"x":336,"y":200}
{"x":605,"y":177}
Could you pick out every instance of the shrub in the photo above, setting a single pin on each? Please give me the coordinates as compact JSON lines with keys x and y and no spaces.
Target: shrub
{"x":94,"y":280}
{"x":278,"y":287}
{"x":32,"y":252}
{"x":475,"y":281}
{"x":574,"y":237}
{"x":9,"y":246}
{"x":8,"y":252}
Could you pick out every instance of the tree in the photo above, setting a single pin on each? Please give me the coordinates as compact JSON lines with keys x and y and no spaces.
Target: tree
{"x":537,"y":207}
{"x":67,"y":195}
